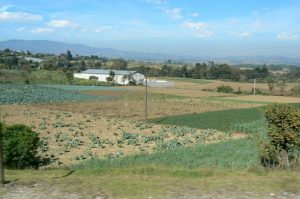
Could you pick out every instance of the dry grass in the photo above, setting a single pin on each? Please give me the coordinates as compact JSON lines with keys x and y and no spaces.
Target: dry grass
{"x":127,"y":108}
{"x":264,"y":98}
{"x":246,"y":87}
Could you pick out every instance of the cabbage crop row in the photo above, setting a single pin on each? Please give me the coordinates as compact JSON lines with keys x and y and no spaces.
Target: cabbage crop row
{"x":26,"y":94}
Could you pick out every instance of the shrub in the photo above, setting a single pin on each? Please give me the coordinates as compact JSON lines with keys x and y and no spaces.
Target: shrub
{"x":296,"y":90}
{"x":20,"y":146}
{"x":225,"y":89}
{"x":284,"y":125}
{"x":284,"y":134}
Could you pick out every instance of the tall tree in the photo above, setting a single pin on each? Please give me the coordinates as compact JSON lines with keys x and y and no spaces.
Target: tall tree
{"x":69,"y":55}
{"x":119,"y":64}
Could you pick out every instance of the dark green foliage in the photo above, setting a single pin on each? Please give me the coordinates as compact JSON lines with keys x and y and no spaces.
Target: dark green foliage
{"x":284,"y":125}
{"x":111,"y":76}
{"x":69,"y":55}
{"x":257,"y":72}
{"x":284,"y":136}
{"x":225,"y":89}
{"x":268,"y":154}
{"x":20,"y":146}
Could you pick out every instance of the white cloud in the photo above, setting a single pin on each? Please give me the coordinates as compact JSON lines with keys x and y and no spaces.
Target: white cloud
{"x":199,"y":27}
{"x":240,"y":34}
{"x":21,"y":29}
{"x":19,"y":16}
{"x":157,"y":2}
{"x":194,"y":14}
{"x":43,"y":30}
{"x":174,"y":13}
{"x":103,"y":28}
{"x":245,"y":34}
{"x":287,"y":36}
{"x":62,"y":24}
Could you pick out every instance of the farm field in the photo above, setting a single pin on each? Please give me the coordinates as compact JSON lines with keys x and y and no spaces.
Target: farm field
{"x":27,"y":94}
{"x":224,"y":120}
{"x":71,"y":137}
{"x":264,"y":98}
{"x":192,"y":137}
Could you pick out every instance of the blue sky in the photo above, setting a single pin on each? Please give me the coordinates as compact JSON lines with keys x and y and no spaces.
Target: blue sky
{"x":194,"y":27}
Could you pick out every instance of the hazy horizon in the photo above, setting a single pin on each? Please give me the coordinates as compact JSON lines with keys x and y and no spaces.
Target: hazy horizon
{"x":211,"y":28}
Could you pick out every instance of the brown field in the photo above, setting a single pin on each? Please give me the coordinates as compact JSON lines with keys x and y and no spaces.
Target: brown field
{"x":158,"y":106}
{"x":246,"y":87}
{"x":97,"y":136}
{"x":265,"y":98}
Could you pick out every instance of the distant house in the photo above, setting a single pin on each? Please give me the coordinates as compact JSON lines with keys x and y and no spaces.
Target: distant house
{"x":122,"y":77}
{"x":33,"y":59}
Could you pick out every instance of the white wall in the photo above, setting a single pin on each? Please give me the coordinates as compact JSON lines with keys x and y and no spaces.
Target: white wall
{"x":138,"y":77}
{"x":102,"y":78}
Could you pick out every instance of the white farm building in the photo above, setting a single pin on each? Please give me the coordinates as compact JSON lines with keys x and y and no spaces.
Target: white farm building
{"x":123,"y":77}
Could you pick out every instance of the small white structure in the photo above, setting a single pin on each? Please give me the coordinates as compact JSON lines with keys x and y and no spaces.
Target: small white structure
{"x":159,"y":83}
{"x":120,"y":76}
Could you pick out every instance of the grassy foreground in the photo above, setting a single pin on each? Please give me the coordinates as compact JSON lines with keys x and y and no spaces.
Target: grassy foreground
{"x":222,"y":170}
{"x":156,"y":182}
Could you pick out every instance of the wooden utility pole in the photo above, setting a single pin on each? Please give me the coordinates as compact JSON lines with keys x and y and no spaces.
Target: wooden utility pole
{"x":1,"y":157}
{"x":146,"y":99}
{"x":254,"y":87}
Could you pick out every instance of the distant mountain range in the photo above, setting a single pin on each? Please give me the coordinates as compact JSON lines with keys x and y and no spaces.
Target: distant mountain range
{"x":54,"y":47}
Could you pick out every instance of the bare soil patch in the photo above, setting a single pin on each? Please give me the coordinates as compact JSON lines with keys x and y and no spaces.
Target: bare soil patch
{"x":69,"y":137}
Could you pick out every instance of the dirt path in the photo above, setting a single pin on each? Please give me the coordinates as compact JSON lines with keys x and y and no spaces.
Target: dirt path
{"x":40,"y":191}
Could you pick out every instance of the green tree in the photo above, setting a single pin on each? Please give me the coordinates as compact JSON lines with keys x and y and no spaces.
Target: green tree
{"x":184,"y":71}
{"x":69,"y":75}
{"x":20,"y":146}
{"x":111,"y":76}
{"x":119,"y":64}
{"x":69,"y":55}
{"x":271,"y":84}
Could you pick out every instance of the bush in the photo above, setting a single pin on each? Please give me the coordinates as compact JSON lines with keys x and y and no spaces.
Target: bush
{"x":296,"y":90}
{"x":20,"y":146}
{"x":284,"y":125}
{"x":284,"y":134}
{"x":225,"y":89}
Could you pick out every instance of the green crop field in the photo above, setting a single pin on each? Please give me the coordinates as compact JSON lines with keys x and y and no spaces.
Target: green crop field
{"x":82,"y":88}
{"x":220,"y":120}
{"x":197,"y":81}
{"x":234,"y":154}
{"x":25,"y":94}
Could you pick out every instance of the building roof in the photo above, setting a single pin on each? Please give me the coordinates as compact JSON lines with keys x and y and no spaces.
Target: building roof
{"x":34,"y":59}
{"x":106,"y":72}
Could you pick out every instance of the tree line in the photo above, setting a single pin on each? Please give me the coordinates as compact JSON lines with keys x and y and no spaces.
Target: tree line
{"x":69,"y":64}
